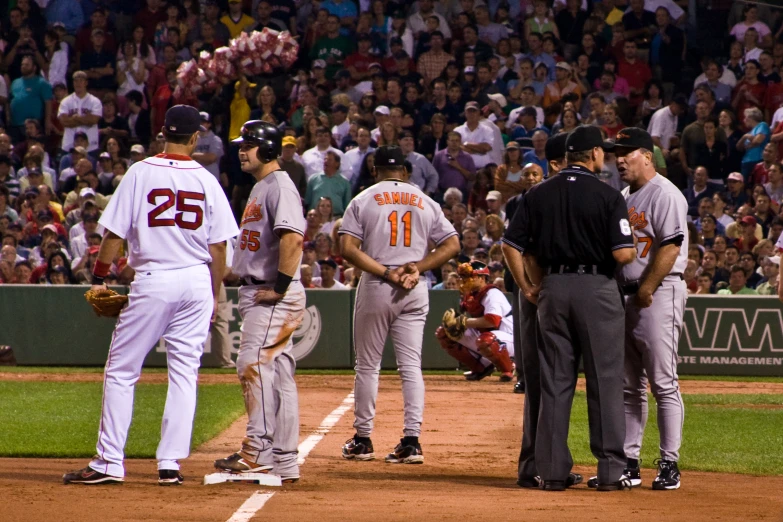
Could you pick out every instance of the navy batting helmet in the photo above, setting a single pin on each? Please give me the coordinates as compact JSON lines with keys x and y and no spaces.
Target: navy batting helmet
{"x":266,"y":136}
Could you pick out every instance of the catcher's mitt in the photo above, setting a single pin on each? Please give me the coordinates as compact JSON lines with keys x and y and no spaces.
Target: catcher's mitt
{"x":106,"y":303}
{"x":454,"y":324}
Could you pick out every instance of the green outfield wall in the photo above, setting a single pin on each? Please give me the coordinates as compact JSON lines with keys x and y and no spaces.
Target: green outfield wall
{"x":53,"y":325}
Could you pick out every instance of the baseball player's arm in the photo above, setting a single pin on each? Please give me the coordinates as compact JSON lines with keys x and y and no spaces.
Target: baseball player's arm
{"x":110,"y":245}
{"x":447,"y":249}
{"x":217,"y":270}
{"x":287,"y":267}
{"x":661,"y":266}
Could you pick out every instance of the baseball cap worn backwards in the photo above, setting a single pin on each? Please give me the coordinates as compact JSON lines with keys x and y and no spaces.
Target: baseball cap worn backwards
{"x":183,"y":120}
{"x":586,"y":137}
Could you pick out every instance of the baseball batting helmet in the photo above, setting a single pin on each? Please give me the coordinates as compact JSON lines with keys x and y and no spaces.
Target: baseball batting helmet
{"x":266,"y":136}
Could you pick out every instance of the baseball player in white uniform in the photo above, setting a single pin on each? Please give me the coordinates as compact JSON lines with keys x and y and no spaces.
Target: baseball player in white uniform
{"x":271,"y":303}
{"x":176,"y":220}
{"x":655,"y":295}
{"x":386,"y":232}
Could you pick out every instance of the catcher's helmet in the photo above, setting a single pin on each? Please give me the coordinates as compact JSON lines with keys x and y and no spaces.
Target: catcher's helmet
{"x":266,"y":136}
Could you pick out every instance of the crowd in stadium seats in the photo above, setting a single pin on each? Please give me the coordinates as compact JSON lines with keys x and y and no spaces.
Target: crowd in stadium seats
{"x":469,"y":89}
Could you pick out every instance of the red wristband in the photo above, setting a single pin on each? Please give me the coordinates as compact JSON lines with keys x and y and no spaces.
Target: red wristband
{"x":101,"y":269}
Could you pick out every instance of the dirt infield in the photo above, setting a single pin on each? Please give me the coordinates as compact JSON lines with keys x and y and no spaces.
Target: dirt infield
{"x":471,"y":441}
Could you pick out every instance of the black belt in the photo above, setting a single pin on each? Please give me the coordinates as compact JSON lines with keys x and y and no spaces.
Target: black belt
{"x":249,"y":280}
{"x":578,"y":269}
{"x":633,"y":287}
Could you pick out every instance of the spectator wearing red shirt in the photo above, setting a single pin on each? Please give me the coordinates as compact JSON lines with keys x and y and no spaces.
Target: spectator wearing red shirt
{"x":158,"y":73}
{"x":358,"y":63}
{"x":164,"y":99}
{"x":760,"y":173}
{"x":749,"y":92}
{"x":635,"y":71}
{"x":747,"y":239}
{"x":98,"y":20}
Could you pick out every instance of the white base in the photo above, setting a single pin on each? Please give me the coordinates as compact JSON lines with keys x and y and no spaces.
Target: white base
{"x":264,"y":479}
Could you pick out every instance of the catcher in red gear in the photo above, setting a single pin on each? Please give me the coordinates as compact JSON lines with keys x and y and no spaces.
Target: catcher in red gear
{"x":478,"y":337}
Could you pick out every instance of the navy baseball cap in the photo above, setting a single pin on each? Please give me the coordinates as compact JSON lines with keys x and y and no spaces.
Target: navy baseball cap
{"x":328,"y":262}
{"x":633,"y":138}
{"x":389,"y":156}
{"x":184,"y":120}
{"x":555,"y":148}
{"x":586,"y":137}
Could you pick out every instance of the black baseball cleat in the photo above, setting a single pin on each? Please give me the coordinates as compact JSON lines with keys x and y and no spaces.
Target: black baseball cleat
{"x":236,"y":463}
{"x":406,"y":452}
{"x":477,"y":376}
{"x":358,"y":448}
{"x":170,"y":477}
{"x":632,"y":471}
{"x":623,"y":483}
{"x":668,"y":476}
{"x":89,"y":476}
{"x":519,"y":387}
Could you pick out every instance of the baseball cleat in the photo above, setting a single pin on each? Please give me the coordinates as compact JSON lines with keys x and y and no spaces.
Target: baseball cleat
{"x":477,"y":376}
{"x":236,"y":463}
{"x":623,"y":483}
{"x":573,"y":479}
{"x":406,"y":453}
{"x":668,"y":476}
{"x":506,"y":377}
{"x":89,"y":476}
{"x":519,"y":387}
{"x":170,"y":477}
{"x":632,"y":471}
{"x":358,"y":448}
{"x":289,"y":480}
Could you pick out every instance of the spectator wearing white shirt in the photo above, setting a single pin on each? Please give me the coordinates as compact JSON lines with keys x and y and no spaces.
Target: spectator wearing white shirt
{"x":314,"y":158}
{"x":423,"y":174}
{"x":80,"y":111}
{"x":327,"y":280}
{"x":352,"y":160}
{"x":341,"y":124}
{"x":56,"y":55}
{"x":477,"y":139}
{"x":209,"y":150}
{"x":382,"y":115}
{"x":663,"y":123}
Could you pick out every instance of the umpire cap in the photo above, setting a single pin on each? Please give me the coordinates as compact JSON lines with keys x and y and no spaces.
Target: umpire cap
{"x":266,"y":136}
{"x":586,"y":137}
{"x":555,"y":148}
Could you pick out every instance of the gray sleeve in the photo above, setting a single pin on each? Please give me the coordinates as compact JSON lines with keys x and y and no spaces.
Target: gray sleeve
{"x":672,"y":209}
{"x":442,"y":229}
{"x":217,"y":148}
{"x":351,"y":223}
{"x":288,"y":211}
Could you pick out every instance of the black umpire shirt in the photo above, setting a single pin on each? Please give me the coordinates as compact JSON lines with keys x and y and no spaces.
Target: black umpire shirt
{"x":571,"y":219}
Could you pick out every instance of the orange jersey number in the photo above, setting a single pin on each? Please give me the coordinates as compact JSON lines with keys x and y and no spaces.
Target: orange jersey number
{"x":406,"y":228}
{"x":249,"y":240}
{"x":647,"y":241}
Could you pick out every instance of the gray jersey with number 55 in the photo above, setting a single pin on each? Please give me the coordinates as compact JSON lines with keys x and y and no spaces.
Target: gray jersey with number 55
{"x":395,"y":222}
{"x":274,"y":206}
{"x":658,"y":215}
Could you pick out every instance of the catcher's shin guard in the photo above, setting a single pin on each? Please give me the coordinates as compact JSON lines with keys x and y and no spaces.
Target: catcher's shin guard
{"x":459,"y":352}
{"x":490,"y":348}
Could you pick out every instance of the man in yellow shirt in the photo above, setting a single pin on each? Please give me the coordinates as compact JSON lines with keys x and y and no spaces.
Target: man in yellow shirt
{"x":235,"y":20}
{"x":239,"y":108}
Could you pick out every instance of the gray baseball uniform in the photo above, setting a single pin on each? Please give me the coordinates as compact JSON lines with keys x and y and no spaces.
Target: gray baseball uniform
{"x":265,"y":363}
{"x":658,"y":213}
{"x":394,"y":221}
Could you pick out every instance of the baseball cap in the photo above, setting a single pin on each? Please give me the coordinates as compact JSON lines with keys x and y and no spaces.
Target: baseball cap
{"x":139,"y":148}
{"x":748,"y":220}
{"x":470,"y":69}
{"x":382,"y":109}
{"x":308,"y":245}
{"x":80,"y":134}
{"x":105,"y":155}
{"x":79,"y":150}
{"x":328,"y":262}
{"x":343,"y":73}
{"x":405,"y":134}
{"x":775,"y":260}
{"x":555,"y":148}
{"x":204,"y":116}
{"x":498,"y":98}
{"x":563,"y":65}
{"x":319,"y":64}
{"x":389,"y":156}
{"x":58,"y":24}
{"x":183,"y":120}
{"x":494,"y":195}
{"x":289,"y":141}
{"x":634,"y":138}
{"x":471,"y":105}
{"x":86,"y":192}
{"x":480,"y":252}
{"x":586,"y":137}
{"x":735,"y":176}
{"x":50,"y":228}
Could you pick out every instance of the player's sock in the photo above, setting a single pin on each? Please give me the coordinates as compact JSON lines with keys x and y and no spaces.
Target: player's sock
{"x":633,"y":463}
{"x":410,"y":441}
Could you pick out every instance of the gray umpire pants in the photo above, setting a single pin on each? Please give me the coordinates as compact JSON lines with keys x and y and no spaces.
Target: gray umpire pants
{"x":581,"y":316}
{"x":383,"y":309}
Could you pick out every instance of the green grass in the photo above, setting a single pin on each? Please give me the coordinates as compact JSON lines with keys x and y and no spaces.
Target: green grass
{"x":40,"y":419}
{"x":721,"y":434}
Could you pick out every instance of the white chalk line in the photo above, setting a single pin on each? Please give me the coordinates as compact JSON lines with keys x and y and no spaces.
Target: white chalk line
{"x":257,"y":500}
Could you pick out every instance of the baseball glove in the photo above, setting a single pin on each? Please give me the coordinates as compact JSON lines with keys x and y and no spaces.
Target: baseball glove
{"x":454,"y":324}
{"x":106,"y":303}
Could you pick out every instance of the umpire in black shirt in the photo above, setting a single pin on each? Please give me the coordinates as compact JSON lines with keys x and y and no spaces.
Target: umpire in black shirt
{"x":573,"y":230}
